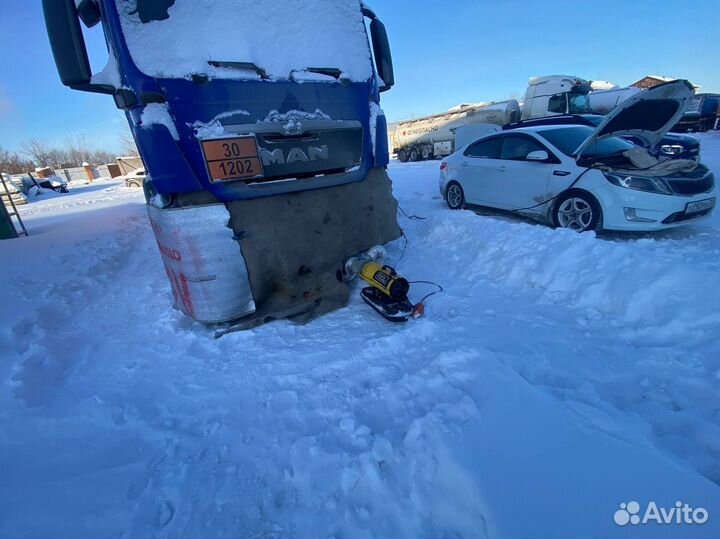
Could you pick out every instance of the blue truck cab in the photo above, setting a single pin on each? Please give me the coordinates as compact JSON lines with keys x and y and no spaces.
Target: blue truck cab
{"x":234,"y":103}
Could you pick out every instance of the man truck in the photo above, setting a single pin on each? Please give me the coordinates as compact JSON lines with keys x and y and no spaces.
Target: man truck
{"x":265,"y":145}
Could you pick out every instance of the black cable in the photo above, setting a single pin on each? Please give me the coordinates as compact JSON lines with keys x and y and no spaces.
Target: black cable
{"x":560,"y":193}
{"x":440,"y":289}
{"x":577,"y":180}
{"x":411,"y":216}
{"x":402,"y":253}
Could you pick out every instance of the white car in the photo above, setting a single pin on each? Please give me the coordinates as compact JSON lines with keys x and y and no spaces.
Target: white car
{"x":134,"y":178}
{"x":582,"y":178}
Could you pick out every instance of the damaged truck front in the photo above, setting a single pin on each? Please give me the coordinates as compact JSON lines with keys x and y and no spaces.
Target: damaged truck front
{"x":265,"y":145}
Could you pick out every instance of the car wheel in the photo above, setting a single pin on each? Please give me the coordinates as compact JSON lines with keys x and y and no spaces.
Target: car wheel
{"x":425,"y":153}
{"x":455,"y":196}
{"x":402,"y":156}
{"x":413,"y":155}
{"x":577,"y":211}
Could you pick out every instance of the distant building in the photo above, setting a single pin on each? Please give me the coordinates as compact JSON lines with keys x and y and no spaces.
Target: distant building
{"x":648,"y":81}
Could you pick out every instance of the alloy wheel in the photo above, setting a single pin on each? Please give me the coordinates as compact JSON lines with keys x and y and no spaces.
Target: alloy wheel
{"x":454,"y":196}
{"x":576,"y":214}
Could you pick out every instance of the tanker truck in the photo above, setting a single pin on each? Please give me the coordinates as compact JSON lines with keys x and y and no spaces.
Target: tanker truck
{"x":433,"y":136}
{"x":603,"y":101}
{"x":556,"y":94}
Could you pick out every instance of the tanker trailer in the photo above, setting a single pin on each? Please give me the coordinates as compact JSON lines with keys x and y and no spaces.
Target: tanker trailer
{"x":603,"y":101}
{"x":433,"y":136}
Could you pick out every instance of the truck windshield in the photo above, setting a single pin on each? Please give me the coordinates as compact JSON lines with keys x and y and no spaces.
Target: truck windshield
{"x":232,"y":39}
{"x":568,"y":139}
{"x":578,"y":103}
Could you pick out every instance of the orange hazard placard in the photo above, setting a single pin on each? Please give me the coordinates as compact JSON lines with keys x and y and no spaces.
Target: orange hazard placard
{"x":232,"y":158}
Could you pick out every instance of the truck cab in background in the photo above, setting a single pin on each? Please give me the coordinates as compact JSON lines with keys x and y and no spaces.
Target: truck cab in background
{"x":554,"y":95}
{"x":261,"y":131}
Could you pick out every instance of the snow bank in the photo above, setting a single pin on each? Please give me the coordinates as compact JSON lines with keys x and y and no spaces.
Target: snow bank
{"x":640,"y":283}
{"x":303,"y":34}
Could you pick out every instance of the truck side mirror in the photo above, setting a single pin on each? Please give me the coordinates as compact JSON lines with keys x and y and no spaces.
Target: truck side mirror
{"x":383,"y":56}
{"x":68,"y":46}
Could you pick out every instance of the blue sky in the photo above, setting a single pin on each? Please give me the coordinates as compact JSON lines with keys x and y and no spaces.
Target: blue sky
{"x":445,"y":53}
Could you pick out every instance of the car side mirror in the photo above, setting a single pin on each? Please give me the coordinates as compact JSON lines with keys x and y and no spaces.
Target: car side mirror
{"x":538,"y":155}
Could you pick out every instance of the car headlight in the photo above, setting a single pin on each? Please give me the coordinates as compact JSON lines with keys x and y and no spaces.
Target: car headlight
{"x":640,"y":183}
{"x":671,"y":149}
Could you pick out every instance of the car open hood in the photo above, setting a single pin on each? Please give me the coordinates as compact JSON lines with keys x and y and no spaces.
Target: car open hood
{"x":647,"y":115}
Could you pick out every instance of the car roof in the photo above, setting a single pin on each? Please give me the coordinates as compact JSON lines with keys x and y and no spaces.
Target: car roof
{"x":540,"y":128}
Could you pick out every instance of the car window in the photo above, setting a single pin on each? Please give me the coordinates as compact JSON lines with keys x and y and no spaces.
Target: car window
{"x":489,"y":149}
{"x":568,"y":139}
{"x":517,"y":148}
{"x":557,"y":104}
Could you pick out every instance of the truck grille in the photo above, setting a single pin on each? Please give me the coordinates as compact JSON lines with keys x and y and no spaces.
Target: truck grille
{"x":692,"y":186}
{"x":315,"y":147}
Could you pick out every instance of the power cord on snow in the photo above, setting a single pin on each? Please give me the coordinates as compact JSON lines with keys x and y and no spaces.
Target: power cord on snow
{"x":402,"y":252}
{"x":411,"y":216}
{"x":553,"y":198}
{"x":419,"y":307}
{"x":439,"y":289}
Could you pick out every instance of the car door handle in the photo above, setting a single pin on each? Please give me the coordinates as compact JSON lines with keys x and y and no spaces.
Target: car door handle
{"x":501,"y":169}
{"x":464,"y":164}
{"x":560,"y":173}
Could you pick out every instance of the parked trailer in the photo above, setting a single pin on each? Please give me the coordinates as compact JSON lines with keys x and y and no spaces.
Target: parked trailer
{"x":434,"y":136}
{"x":702,"y":114}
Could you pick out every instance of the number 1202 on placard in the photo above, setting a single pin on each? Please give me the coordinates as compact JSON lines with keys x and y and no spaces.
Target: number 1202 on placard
{"x":232,"y":158}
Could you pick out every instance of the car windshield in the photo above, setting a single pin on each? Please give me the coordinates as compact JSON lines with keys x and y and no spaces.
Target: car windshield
{"x":569,"y":139}
{"x":232,"y":39}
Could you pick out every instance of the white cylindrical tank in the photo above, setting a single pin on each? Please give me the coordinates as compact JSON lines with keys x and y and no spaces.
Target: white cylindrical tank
{"x":603,"y":101}
{"x":437,"y":128}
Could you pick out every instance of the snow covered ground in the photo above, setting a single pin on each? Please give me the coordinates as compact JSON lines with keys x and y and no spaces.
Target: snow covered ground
{"x":558,"y":376}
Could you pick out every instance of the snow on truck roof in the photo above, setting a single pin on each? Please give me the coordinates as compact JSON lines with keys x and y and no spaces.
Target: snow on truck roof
{"x":181,"y":40}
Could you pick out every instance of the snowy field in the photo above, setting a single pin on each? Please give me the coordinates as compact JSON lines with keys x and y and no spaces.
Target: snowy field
{"x":558,"y":376}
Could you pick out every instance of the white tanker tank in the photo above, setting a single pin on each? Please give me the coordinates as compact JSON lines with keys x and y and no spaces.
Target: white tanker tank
{"x":603,"y":101}
{"x":434,"y":136}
